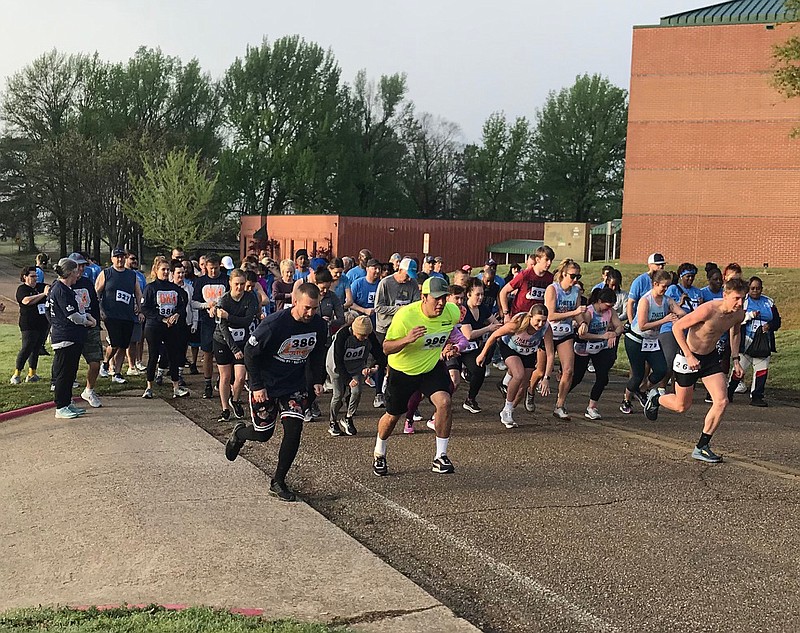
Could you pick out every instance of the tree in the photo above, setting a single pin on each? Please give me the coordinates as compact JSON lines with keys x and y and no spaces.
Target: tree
{"x":497,"y":171}
{"x":786,"y":76}
{"x":432,"y":170}
{"x":579,"y":149}
{"x":172,"y":201}
{"x":281,"y":107}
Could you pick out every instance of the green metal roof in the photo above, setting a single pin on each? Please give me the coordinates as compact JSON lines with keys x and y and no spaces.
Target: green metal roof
{"x":602,"y":229}
{"x":734,"y":12}
{"x":515,"y":247}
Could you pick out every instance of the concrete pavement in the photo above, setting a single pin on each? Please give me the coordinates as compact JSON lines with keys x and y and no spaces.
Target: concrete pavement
{"x":134,"y":503}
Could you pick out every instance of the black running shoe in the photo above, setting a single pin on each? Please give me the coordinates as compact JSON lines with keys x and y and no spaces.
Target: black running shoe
{"x":625,"y":407}
{"x":225,"y":416}
{"x":443,"y":465}
{"x":641,"y":397}
{"x":348,"y":426}
{"x":281,"y":490}
{"x":708,"y":399}
{"x":502,"y":388}
{"x":471,"y":405}
{"x":315,"y":412}
{"x":379,"y":466}
{"x":159,"y":379}
{"x":237,"y":407}
{"x":208,"y":393}
{"x":334,"y":430}
{"x":758,"y":402}
{"x":193,"y":369}
{"x":234,"y":444}
{"x":651,"y":405}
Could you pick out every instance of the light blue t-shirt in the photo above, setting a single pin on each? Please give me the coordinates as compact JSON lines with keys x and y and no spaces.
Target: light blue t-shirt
{"x":640,"y":287}
{"x":356,"y":272}
{"x":341,"y":288}
{"x":708,"y":295}
{"x":676,"y":293}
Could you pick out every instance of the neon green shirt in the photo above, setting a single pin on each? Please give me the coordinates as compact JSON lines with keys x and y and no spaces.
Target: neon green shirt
{"x":423,"y":354}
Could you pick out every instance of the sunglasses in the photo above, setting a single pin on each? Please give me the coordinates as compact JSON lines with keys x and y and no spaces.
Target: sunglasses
{"x":574,"y":276}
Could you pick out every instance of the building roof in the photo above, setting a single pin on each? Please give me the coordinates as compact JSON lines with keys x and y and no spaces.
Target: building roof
{"x":515,"y":247}
{"x":733,"y":12}
{"x":602,"y":229}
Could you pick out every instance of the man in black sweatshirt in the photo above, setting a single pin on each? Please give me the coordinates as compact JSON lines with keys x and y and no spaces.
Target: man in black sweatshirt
{"x":276,"y":355}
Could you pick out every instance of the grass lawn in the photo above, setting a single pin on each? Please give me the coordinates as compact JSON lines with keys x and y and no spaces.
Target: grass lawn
{"x":148,"y":620}
{"x":17,"y":396}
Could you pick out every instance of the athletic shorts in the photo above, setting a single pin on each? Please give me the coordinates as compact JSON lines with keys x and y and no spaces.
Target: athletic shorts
{"x":136,"y":334}
{"x":224,"y":356}
{"x":558,"y":341}
{"x":453,"y":363}
{"x":119,"y":332}
{"x":207,"y":335}
{"x":528,"y":362}
{"x":710,"y":364}
{"x":92,"y":349}
{"x":194,"y":337}
{"x":401,"y":386}
{"x":264,"y":414}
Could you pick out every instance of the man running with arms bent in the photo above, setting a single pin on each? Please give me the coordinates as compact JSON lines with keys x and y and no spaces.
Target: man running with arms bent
{"x":415,"y":342}
{"x":697,"y":334}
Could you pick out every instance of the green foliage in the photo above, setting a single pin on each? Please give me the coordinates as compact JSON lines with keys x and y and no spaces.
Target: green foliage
{"x":172,"y":201}
{"x":786,"y":75}
{"x":152,"y":619}
{"x":498,"y":170}
{"x":579,"y":149}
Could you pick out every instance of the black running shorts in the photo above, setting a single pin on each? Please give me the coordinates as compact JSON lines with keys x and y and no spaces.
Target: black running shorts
{"x":710,"y":364}
{"x":528,"y":362}
{"x":119,"y":332}
{"x":400,"y":387}
{"x":264,"y":414}
{"x":224,"y":356}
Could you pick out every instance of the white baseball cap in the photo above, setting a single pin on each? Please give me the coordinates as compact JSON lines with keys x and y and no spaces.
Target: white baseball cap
{"x":227,"y":263}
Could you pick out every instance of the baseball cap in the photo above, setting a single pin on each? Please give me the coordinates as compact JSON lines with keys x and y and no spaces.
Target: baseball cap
{"x":317,"y":262}
{"x":430,"y":259}
{"x":491,"y":262}
{"x":374,"y":262}
{"x":466,"y":268}
{"x":78,"y":258}
{"x":395,"y":257}
{"x":227,"y":263}
{"x":410,"y":266}
{"x":656,"y":258}
{"x":118,"y":252}
{"x":438,"y":259}
{"x":301,"y":253}
{"x":435,"y":287}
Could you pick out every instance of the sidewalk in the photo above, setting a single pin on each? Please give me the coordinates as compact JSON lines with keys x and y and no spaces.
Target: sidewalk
{"x":133,"y":503}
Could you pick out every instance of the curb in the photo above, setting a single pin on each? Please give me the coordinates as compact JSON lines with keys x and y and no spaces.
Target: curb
{"x":34,"y":408}
{"x":169,"y":607}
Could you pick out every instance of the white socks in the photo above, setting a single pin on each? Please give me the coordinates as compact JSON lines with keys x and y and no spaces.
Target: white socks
{"x":441,"y":446}
{"x":507,"y":379}
{"x":509,"y":406}
{"x":380,"y":446}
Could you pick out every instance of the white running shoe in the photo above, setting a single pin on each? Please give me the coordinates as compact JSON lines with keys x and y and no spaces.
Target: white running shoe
{"x":561,"y":413}
{"x":500,"y":365}
{"x":141,"y":366}
{"x":104,"y":372}
{"x":741,"y":388}
{"x":91,"y":397}
{"x":431,"y":424}
{"x":507,"y":418}
{"x":133,"y":371}
{"x":16,"y":380}
{"x":66,"y":413}
{"x":592,"y":414}
{"x":117,"y":378}
{"x":180,"y":392}
{"x":530,"y":402}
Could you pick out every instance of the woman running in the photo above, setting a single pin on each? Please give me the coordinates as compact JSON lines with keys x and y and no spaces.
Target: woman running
{"x":641,"y":343}
{"x":477,"y":325}
{"x":519,"y":341}
{"x":562,"y":299}
{"x":597,"y":341}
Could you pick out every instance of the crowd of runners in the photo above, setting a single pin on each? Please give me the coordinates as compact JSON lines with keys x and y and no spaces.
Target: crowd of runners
{"x":283,"y":334}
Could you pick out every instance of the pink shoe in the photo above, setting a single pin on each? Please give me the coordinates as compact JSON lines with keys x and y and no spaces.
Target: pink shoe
{"x":408,"y":428}
{"x":431,"y":424}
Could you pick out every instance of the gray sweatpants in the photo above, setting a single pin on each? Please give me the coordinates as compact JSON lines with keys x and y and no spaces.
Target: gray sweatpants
{"x":343,"y":392}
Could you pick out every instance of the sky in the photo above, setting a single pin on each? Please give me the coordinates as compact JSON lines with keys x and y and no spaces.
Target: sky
{"x":464,"y":59}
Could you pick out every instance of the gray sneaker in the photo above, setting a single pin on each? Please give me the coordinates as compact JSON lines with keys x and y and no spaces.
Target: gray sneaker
{"x":530,"y":402}
{"x":705,"y":454}
{"x":561,"y":413}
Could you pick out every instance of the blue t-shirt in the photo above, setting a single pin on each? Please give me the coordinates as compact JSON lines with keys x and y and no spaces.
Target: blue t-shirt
{"x":640,"y":287}
{"x":364,"y":294}
{"x":142,"y":280}
{"x":708,"y":295}
{"x":676,"y":292}
{"x":301,"y":274}
{"x":39,"y":275}
{"x":341,"y":288}
{"x":356,"y":272}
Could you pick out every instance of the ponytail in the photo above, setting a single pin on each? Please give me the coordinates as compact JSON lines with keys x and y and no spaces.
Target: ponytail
{"x":524,"y":320}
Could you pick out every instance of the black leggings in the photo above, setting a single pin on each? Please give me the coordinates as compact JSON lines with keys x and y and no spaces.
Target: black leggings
{"x":476,"y":374}
{"x":603,"y":361}
{"x":638,"y":358}
{"x":65,"y":368}
{"x":32,"y":342}
{"x":155,"y":334}
{"x":292,"y":431}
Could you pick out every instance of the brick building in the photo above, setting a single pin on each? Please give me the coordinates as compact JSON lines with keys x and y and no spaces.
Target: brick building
{"x":712,"y":173}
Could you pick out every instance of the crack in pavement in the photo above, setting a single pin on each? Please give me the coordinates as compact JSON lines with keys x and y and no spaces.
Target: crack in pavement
{"x":376,"y":616}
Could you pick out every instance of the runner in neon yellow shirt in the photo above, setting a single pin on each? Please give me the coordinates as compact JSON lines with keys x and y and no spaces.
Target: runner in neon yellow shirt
{"x":415,"y":343}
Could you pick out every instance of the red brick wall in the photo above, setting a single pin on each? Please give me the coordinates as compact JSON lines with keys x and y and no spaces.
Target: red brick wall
{"x":711,"y":171}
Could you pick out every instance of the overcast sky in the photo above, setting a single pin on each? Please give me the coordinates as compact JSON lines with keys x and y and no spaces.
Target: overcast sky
{"x":464,"y":59}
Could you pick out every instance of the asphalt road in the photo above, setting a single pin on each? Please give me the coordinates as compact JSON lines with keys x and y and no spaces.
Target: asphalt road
{"x":572,"y":526}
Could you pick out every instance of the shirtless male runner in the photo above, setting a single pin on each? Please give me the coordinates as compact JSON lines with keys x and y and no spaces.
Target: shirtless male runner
{"x":697,"y":334}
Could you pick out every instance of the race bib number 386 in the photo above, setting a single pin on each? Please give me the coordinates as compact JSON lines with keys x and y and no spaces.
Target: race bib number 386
{"x":296,"y":349}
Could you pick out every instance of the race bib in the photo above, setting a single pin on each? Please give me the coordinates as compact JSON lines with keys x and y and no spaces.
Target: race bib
{"x":593,"y":347}
{"x":356,"y":353}
{"x":371,"y":298}
{"x":524,"y":346}
{"x":680,"y":365}
{"x":167,"y":301}
{"x":561,"y":328}
{"x":123,"y":297}
{"x":238,"y":334}
{"x":535,"y":294}
{"x":213,"y":292}
{"x":435,"y":340}
{"x":82,"y":299}
{"x":650,"y":345}
{"x":296,"y":349}
{"x":471,"y":346}
{"x":42,"y":308}
{"x":401,"y":302}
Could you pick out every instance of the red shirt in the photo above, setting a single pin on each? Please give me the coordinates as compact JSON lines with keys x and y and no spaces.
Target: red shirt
{"x":530,"y":289}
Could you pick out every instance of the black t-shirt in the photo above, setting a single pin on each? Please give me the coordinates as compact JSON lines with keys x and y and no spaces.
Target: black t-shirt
{"x":490,"y":292}
{"x":34,"y":315}
{"x":208,"y":290}
{"x":277,"y":352}
{"x":484,"y":314}
{"x":86,"y":297}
